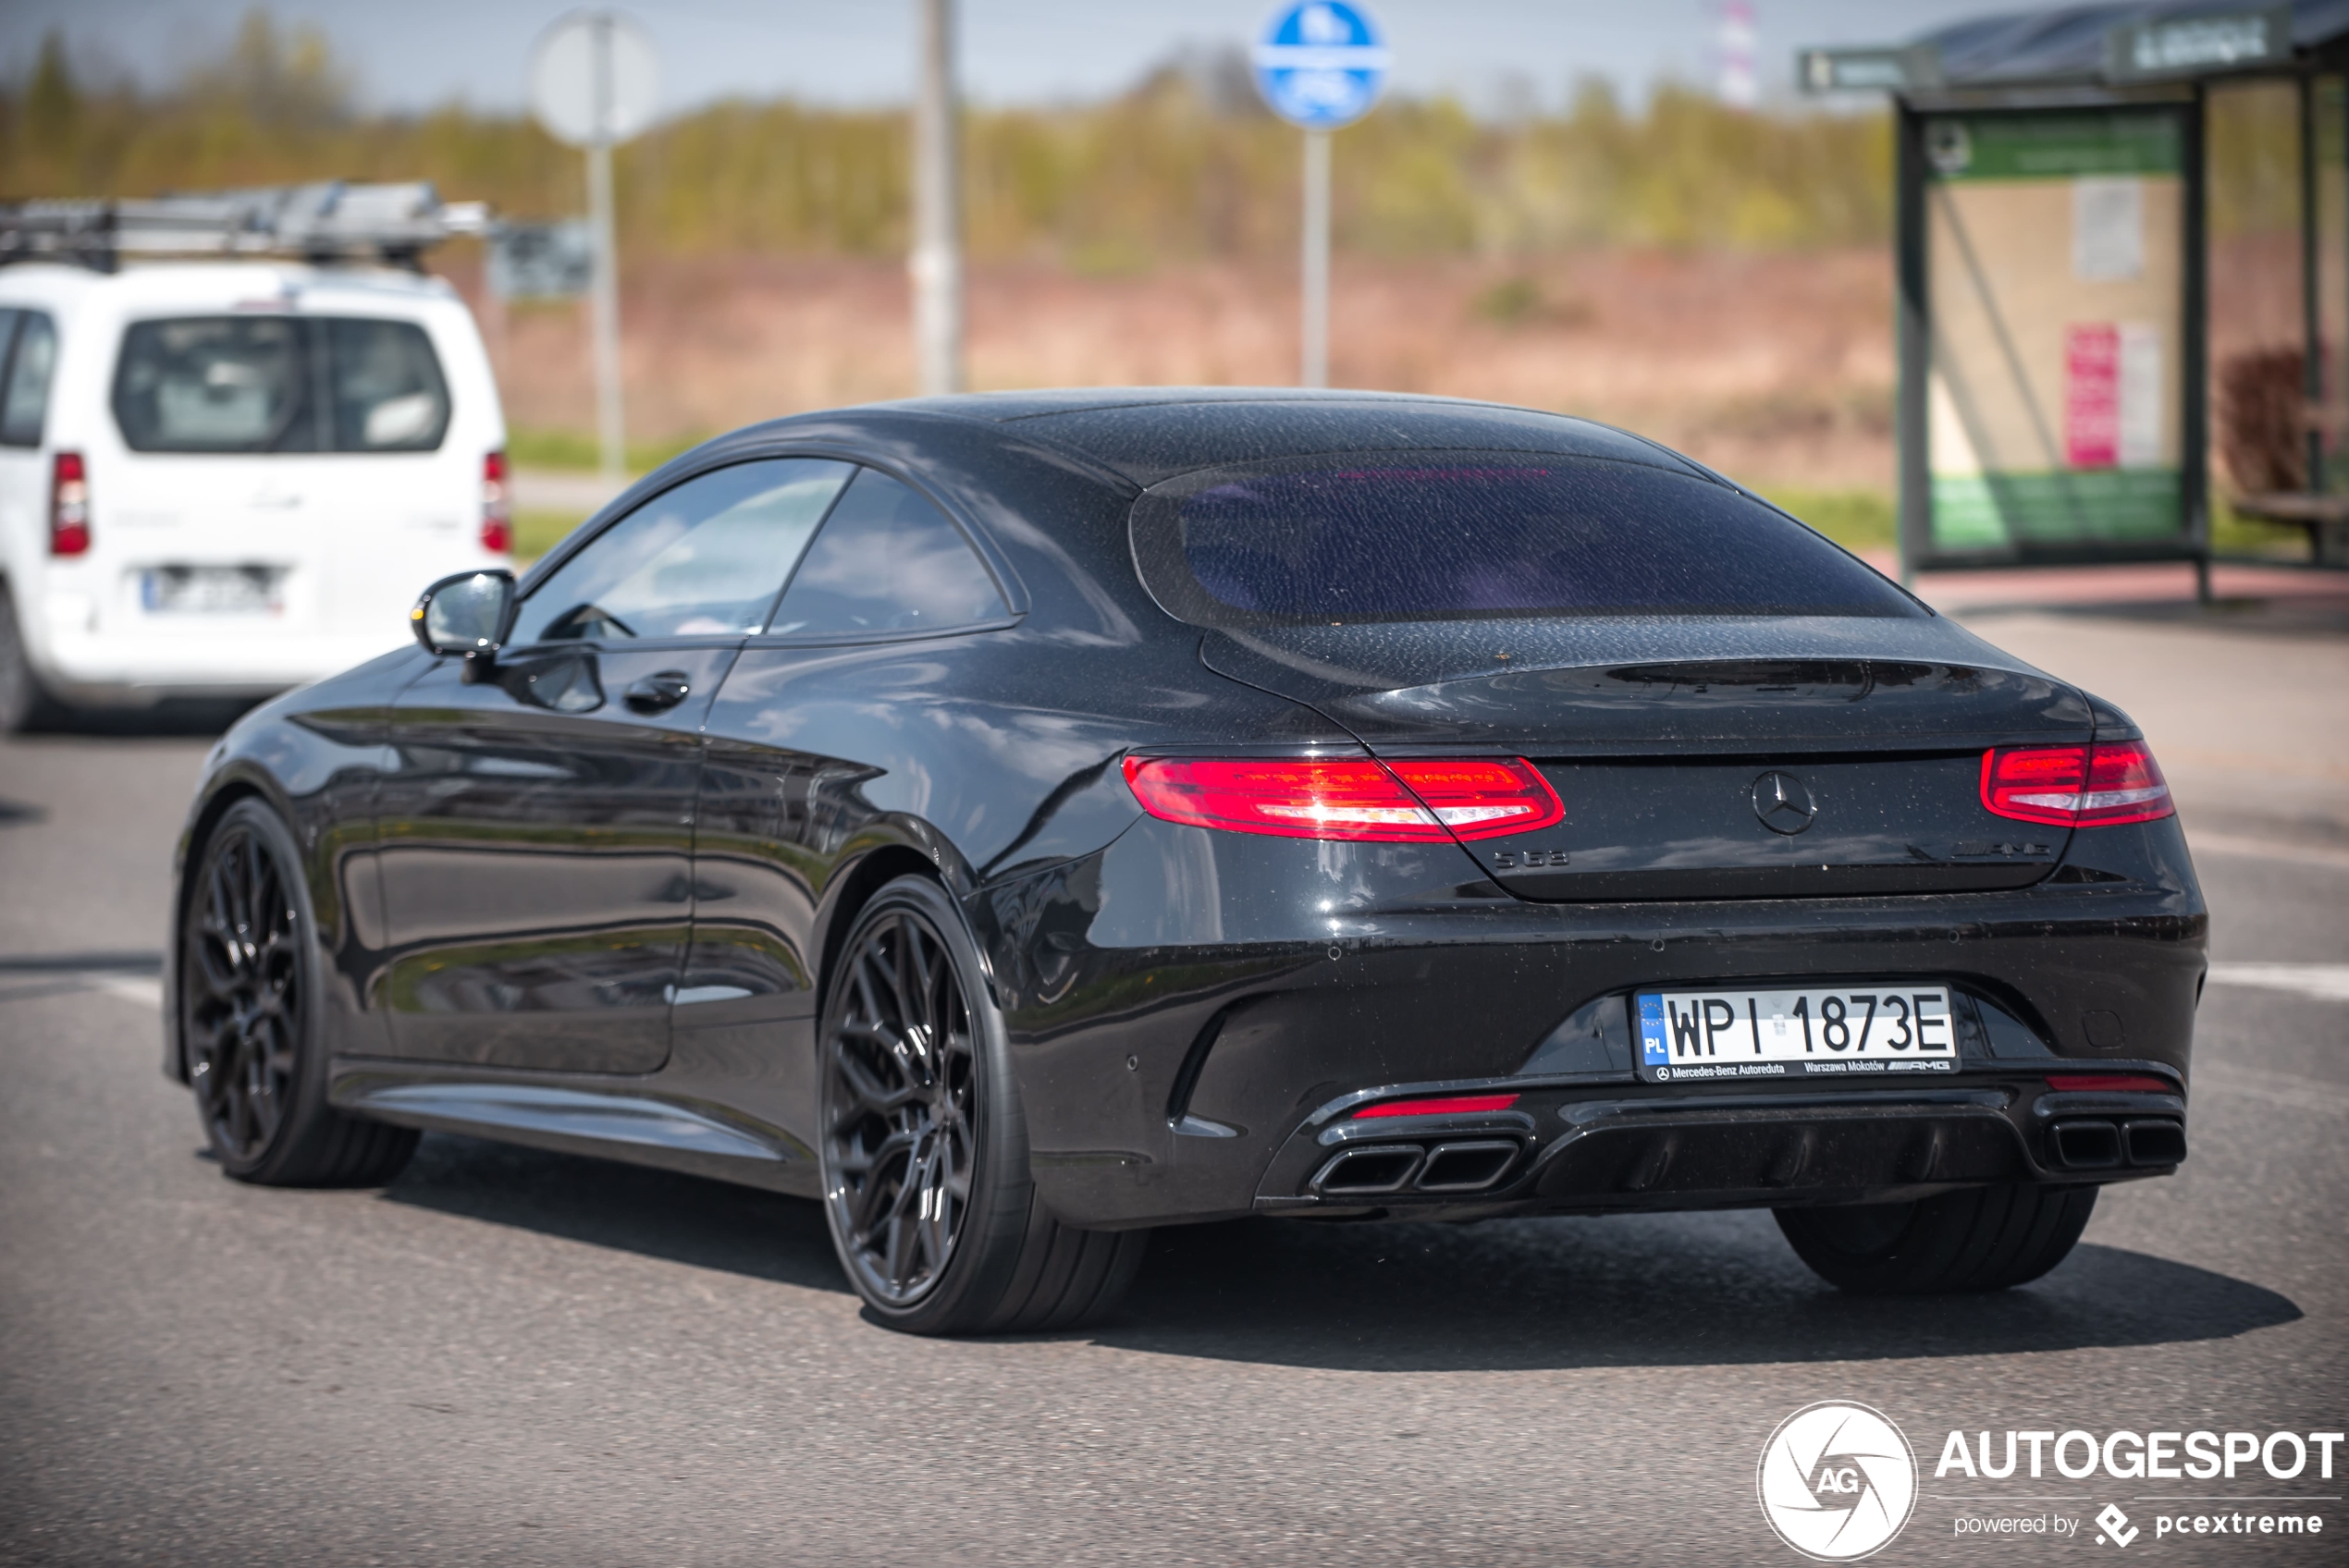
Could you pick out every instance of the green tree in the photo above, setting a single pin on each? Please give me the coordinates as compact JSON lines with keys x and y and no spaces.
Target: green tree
{"x":51,"y":102}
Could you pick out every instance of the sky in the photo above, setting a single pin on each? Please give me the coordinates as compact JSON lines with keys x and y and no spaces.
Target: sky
{"x":416,"y":53}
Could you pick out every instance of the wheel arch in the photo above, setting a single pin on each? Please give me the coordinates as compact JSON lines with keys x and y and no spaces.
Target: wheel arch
{"x":851,"y":889}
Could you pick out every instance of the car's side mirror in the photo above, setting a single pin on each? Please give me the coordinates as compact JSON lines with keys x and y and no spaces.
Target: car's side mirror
{"x":469,"y":613}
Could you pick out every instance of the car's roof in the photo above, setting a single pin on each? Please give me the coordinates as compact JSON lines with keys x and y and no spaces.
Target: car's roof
{"x":222,"y":285}
{"x":1149,"y":434}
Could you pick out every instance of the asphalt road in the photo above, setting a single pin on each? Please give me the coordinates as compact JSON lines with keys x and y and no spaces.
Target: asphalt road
{"x":513,"y":1356}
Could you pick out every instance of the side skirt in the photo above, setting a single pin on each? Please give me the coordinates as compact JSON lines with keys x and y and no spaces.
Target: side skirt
{"x":617,"y":1123}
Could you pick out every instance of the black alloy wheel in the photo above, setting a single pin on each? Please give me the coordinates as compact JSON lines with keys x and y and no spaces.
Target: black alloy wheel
{"x":247,"y":983}
{"x":927,"y":1190}
{"x":244,"y":990}
{"x":901,"y":1103}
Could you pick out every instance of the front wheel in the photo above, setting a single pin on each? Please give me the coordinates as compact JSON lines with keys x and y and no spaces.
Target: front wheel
{"x":249,"y":1007}
{"x":1980,"y":1238}
{"x":924,"y":1147}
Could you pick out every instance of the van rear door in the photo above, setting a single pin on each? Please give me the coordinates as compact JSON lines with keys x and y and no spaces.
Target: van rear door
{"x":285,"y":471}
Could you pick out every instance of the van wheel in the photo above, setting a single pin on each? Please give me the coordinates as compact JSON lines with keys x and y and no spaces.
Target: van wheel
{"x":924,"y":1148}
{"x":1980,"y":1239}
{"x":22,"y":702}
{"x":249,"y":1004}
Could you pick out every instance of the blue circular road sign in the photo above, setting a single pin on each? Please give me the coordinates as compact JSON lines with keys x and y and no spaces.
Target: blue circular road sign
{"x":1320,"y":63}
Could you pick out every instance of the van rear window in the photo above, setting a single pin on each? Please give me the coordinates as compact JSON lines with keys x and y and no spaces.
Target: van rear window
{"x":1449,"y":536}
{"x":279,"y":384}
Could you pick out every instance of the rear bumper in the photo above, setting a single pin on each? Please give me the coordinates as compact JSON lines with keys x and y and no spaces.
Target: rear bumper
{"x":1564,"y":1150}
{"x":1188,"y":1012}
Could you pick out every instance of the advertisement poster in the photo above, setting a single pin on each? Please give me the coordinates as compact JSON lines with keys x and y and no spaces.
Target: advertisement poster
{"x":2055,"y":263}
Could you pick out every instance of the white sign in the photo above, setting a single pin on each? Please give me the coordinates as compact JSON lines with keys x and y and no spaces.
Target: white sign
{"x":1320,"y":63}
{"x":594,"y":79}
{"x":2108,"y":229}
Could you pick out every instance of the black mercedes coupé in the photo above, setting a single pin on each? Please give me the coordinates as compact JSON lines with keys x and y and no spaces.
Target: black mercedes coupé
{"x":1016,"y":821}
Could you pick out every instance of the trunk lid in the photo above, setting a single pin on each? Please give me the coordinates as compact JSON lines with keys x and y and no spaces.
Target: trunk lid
{"x":1786,"y":761}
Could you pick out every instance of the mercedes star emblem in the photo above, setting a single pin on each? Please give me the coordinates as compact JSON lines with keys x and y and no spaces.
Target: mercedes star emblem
{"x":1783,"y":803}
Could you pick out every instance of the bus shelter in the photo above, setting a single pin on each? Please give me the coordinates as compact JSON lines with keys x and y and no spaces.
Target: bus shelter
{"x":2122,"y":252}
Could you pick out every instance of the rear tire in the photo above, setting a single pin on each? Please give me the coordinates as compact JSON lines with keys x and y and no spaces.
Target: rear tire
{"x":1980,"y":1239}
{"x":23,"y":704}
{"x":250,"y":1006}
{"x":924,"y":1146}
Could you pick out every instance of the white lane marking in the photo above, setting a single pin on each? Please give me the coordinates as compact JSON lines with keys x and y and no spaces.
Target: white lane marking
{"x":131,"y":987}
{"x":2268,"y":849}
{"x":2325,"y":982}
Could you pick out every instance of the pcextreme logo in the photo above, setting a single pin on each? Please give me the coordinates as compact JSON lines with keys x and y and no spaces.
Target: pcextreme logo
{"x":1838,"y":1481}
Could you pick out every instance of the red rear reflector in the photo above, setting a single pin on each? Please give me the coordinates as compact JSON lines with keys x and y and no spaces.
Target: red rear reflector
{"x":497,"y":513}
{"x":2111,"y":1083}
{"x":2075,"y":786}
{"x":1348,"y":798}
{"x":1450,"y":1105}
{"x":68,"y":506}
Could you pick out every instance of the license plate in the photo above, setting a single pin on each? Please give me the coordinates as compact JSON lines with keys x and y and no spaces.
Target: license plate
{"x":211,"y":590}
{"x":1862,"y":1030}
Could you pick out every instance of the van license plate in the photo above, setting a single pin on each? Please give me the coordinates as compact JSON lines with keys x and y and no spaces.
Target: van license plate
{"x":211,"y":590}
{"x":1862,"y":1030}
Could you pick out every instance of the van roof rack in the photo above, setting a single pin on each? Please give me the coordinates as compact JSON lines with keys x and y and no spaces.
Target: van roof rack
{"x":327,"y":222}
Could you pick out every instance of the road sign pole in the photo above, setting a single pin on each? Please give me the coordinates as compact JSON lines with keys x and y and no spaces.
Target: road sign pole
{"x":594,"y":84}
{"x":1314,"y":370}
{"x":604,"y":304}
{"x":1320,"y":65}
{"x":936,"y":260}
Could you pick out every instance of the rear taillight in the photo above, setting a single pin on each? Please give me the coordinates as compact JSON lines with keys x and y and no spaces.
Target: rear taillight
{"x":1351,"y":798}
{"x":1482,"y":797}
{"x":68,"y":506}
{"x":497,"y":513}
{"x":2075,"y":786}
{"x":1291,"y":797}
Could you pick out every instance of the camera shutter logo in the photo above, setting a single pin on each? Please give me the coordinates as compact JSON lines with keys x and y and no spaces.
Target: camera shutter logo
{"x":1838,"y":1481}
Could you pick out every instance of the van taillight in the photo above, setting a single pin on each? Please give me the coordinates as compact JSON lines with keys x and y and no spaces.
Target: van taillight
{"x":1414,"y":800}
{"x":2075,"y":786}
{"x":496,"y":514}
{"x":68,"y":506}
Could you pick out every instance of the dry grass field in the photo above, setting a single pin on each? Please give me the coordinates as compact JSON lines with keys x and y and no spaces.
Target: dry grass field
{"x":1776,"y":368}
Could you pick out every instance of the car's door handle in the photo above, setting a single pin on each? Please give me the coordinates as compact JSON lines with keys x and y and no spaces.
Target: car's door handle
{"x":655,"y":694}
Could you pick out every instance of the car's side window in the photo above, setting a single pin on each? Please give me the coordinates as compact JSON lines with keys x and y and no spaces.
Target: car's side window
{"x":888,"y":561}
{"x":703,"y":560}
{"x":24,"y":405}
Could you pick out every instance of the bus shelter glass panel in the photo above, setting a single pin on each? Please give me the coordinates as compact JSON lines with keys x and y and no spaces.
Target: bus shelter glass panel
{"x":2331,"y":419}
{"x":2056,"y":275}
{"x":2258,"y":300}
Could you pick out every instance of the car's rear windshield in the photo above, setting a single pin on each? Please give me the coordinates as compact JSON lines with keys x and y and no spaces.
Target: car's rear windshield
{"x":279,"y":384}
{"x":1472,"y":535}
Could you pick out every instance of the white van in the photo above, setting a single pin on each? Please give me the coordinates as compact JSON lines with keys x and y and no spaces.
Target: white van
{"x":227,"y":478}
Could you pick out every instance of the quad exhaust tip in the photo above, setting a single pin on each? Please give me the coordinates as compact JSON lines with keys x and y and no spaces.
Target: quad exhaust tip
{"x":2107,"y":1146}
{"x":1470,"y":1166}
